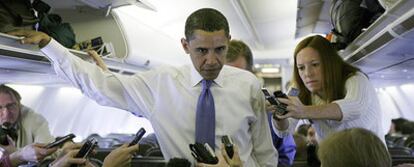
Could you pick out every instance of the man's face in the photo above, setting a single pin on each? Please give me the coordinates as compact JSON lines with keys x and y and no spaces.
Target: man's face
{"x":9,"y":109}
{"x":207,"y":51}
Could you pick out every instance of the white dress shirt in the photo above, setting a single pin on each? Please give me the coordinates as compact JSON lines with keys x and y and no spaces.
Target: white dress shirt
{"x":168,"y":96}
{"x":360,"y":108}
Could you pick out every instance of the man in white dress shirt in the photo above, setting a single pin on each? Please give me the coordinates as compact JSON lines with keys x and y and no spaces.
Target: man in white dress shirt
{"x":167,"y":96}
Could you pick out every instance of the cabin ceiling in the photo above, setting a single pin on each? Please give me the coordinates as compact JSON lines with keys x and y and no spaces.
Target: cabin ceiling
{"x":267,"y":26}
{"x":384,"y":51}
{"x":270,"y":28}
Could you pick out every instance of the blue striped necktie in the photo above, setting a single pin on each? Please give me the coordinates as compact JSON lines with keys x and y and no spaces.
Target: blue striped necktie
{"x":206,"y":116}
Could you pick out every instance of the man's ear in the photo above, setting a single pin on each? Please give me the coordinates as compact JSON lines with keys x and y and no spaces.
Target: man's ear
{"x":184,"y":43}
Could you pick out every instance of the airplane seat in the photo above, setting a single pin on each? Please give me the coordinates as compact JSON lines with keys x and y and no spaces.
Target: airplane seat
{"x":401,"y":155}
{"x":391,"y":139}
{"x":409,"y":142}
{"x":105,"y":142}
{"x":153,"y":152}
{"x":46,"y":162}
{"x":149,"y":146}
{"x":108,"y":142}
{"x":397,"y":151}
{"x":399,"y":142}
{"x":96,"y":162}
{"x":398,"y":160}
{"x":300,"y":163}
{"x":148,"y":162}
{"x":101,"y":153}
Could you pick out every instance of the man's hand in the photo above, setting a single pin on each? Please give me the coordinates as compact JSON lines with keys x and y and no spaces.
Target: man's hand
{"x":31,"y":153}
{"x":32,"y":37}
{"x":11,"y":148}
{"x":235,"y":161}
{"x":121,"y":156}
{"x":98,"y":60}
{"x":224,"y":160}
{"x":69,"y":146}
{"x":68,"y":159}
{"x":34,"y":152}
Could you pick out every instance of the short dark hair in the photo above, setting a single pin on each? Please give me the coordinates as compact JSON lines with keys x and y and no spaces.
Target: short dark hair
{"x":239,"y":48}
{"x":206,"y":19}
{"x":8,"y":90}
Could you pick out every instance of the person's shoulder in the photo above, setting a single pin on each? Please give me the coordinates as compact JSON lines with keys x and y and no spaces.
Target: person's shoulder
{"x":237,"y":73}
{"x":165,"y":70}
{"x":358,"y":76}
{"x":30,"y":116}
{"x":357,"y":79}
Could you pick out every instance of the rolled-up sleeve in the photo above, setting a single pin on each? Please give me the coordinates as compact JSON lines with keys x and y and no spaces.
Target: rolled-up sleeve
{"x":106,"y":88}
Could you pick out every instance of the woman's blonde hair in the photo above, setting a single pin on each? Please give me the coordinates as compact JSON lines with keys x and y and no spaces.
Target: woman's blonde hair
{"x":354,"y":147}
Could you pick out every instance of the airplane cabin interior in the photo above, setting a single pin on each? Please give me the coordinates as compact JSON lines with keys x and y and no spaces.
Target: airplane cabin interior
{"x":137,"y":36}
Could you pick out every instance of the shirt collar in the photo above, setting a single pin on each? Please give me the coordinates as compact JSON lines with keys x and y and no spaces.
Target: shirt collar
{"x":196,"y":77}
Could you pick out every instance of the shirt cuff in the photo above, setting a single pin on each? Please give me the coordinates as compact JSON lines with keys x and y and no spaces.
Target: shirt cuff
{"x":281,"y":133}
{"x":54,"y":51}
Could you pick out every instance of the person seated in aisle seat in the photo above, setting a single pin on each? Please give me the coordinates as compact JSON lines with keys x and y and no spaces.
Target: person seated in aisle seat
{"x":356,"y":147}
{"x":22,"y":129}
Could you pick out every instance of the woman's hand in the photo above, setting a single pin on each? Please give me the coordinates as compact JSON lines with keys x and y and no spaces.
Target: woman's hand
{"x":121,"y":156}
{"x":295,"y":108}
{"x":11,"y":148}
{"x":67,"y":147}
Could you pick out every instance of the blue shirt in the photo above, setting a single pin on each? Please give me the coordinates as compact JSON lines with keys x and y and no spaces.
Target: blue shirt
{"x":285,"y":146}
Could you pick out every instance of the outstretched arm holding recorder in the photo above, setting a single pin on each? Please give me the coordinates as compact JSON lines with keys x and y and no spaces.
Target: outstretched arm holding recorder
{"x":333,"y":94}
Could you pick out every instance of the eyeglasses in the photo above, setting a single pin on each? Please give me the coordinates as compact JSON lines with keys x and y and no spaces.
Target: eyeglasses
{"x":10,"y":106}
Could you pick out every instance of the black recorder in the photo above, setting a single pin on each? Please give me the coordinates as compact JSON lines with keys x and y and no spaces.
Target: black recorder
{"x":86,"y":149}
{"x":138,"y":137}
{"x":203,"y":153}
{"x":59,"y":141}
{"x":228,"y":145}
{"x":280,"y":107}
